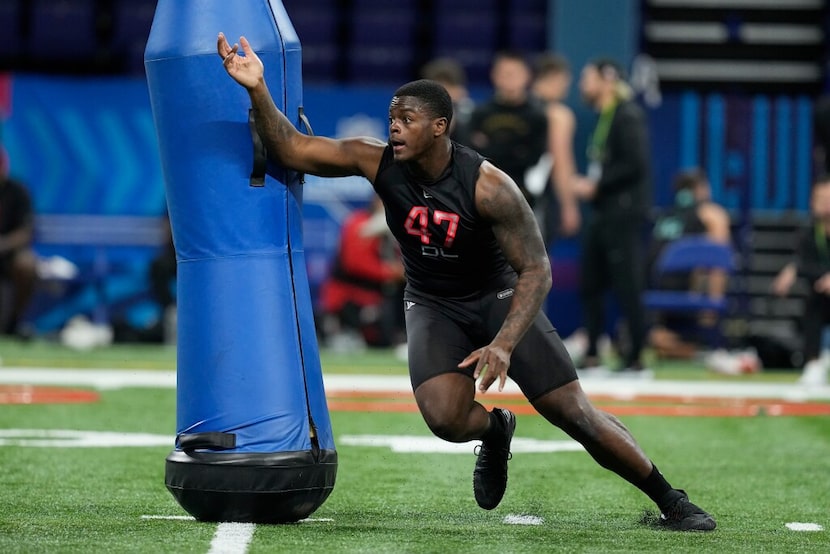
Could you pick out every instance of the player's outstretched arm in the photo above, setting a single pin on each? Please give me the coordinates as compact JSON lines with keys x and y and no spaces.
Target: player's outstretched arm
{"x":287,"y":146}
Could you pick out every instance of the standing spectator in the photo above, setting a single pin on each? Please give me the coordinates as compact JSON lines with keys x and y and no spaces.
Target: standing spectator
{"x":511,"y":128}
{"x":551,"y":82}
{"x":363,"y":295}
{"x":18,"y":265}
{"x":812,"y":262}
{"x":617,"y":187}
{"x":451,"y":75}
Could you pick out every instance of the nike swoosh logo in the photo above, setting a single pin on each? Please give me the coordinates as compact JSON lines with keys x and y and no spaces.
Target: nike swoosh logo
{"x":506,"y":293}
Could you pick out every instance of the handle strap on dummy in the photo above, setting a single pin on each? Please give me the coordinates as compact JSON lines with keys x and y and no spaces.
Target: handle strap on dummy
{"x":309,"y":131}
{"x":206,"y":441}
{"x":260,"y":156}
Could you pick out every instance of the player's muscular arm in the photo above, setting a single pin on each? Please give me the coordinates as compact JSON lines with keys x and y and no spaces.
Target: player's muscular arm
{"x":315,"y":155}
{"x":290,"y":148}
{"x":499,"y":200}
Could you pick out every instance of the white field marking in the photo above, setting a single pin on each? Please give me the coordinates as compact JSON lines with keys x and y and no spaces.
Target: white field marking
{"x":514,"y":519}
{"x":104,"y":379}
{"x":796,"y":526}
{"x":232,"y":538}
{"x":434,"y":444}
{"x":623,"y":388}
{"x":191,"y":518}
{"x":69,"y":438}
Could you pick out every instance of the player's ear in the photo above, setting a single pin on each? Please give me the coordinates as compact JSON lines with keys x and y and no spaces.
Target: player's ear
{"x":439,"y":126}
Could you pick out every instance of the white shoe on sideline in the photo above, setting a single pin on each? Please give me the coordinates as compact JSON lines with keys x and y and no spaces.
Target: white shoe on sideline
{"x":814,"y":374}
{"x":577,"y":345}
{"x":733,"y":363}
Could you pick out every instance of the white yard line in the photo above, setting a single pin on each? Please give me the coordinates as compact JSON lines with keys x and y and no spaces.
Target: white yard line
{"x":620,"y":387}
{"x":232,"y":538}
{"x":810,"y":527}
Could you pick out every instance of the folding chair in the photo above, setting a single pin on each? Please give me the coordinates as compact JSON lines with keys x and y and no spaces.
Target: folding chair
{"x":684,"y":256}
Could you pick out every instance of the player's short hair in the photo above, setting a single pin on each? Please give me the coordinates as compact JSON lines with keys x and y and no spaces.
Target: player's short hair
{"x":432,"y":95}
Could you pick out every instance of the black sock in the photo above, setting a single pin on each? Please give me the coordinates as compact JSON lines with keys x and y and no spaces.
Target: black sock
{"x":658,"y":489}
{"x":494,"y":432}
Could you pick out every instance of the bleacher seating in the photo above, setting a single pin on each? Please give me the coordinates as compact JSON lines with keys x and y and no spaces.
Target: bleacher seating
{"x":345,"y":41}
{"x":317,"y":24}
{"x":131,"y":21}
{"x":382,"y":45}
{"x":470,"y":36}
{"x":10,"y":38}
{"x":526,"y":25}
{"x":63,"y":31}
{"x":111,"y":254}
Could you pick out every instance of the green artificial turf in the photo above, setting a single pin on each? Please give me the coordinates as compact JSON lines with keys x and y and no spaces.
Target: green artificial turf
{"x":755,"y":474}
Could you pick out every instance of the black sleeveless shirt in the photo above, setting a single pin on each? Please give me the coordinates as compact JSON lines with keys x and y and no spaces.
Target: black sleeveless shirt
{"x":448,"y":249}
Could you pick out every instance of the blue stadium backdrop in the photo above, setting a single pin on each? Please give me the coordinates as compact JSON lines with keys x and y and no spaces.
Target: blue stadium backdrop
{"x":86,"y":146}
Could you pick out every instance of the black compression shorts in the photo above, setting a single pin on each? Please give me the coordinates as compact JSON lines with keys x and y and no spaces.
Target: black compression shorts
{"x":441,"y":333}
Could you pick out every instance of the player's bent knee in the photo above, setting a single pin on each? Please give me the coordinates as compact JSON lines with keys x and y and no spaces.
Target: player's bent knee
{"x":447,"y":430}
{"x":445,"y":422}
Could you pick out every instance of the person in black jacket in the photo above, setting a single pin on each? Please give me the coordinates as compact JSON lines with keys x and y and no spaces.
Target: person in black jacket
{"x":511,"y":129}
{"x":617,"y":187}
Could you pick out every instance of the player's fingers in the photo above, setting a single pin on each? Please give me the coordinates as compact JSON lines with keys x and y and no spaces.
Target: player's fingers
{"x":222,"y":45}
{"x":246,"y":46}
{"x":230,"y":56}
{"x":502,"y":379}
{"x":486,"y":381}
{"x":473,"y":357}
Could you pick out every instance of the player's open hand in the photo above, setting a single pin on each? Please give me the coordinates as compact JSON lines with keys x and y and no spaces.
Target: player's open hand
{"x":246,"y":69}
{"x":492,"y":363}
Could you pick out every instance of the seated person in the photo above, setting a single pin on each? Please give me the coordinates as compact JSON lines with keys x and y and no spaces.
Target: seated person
{"x":161,"y":275}
{"x":364,"y":292}
{"x":18,"y":267}
{"x":163,"y":271}
{"x":694,"y":213}
{"x":812,"y":263}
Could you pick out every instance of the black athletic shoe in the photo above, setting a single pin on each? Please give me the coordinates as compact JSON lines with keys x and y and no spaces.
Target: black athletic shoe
{"x":490,"y":473}
{"x":682,"y":515}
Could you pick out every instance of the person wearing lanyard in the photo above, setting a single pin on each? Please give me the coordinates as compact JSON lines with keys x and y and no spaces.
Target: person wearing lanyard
{"x":617,"y":187}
